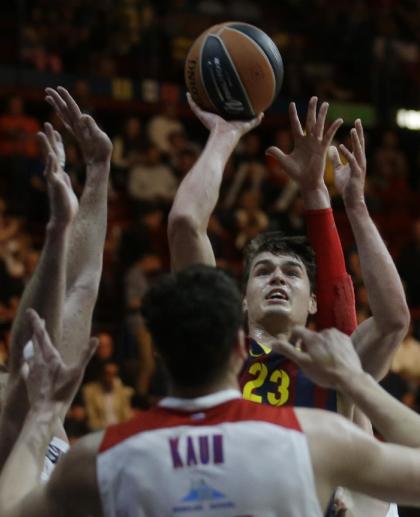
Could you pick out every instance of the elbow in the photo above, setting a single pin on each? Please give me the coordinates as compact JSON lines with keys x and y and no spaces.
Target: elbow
{"x":181,"y":223}
{"x":400,"y":322}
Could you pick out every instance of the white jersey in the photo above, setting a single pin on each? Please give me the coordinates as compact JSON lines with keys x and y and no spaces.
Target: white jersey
{"x":215,"y":456}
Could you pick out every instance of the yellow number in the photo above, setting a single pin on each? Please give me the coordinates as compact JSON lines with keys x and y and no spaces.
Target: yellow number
{"x":282,"y":379}
{"x":250,"y":386}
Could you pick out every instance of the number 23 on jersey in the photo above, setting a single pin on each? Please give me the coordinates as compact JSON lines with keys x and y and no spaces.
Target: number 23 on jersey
{"x":279,"y":380}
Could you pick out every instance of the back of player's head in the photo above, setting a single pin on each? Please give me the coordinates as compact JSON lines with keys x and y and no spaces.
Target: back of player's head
{"x":194,"y":317}
{"x":279,"y":244}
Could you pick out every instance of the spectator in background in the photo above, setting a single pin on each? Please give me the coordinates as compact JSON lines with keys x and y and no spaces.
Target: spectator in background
{"x":250,"y":219}
{"x":184,"y":162}
{"x":18,"y":153}
{"x":107,"y":400}
{"x":278,"y":179}
{"x":128,"y":149}
{"x":75,"y":423}
{"x":104,"y":353}
{"x":18,"y":131}
{"x":389,"y":162}
{"x":178,"y":146}
{"x":161,"y":126}
{"x":139,"y":364}
{"x":152,"y":182}
{"x":408,"y":266}
{"x":251,"y":171}
{"x":406,"y":361}
{"x":145,"y":234}
{"x":292,"y":221}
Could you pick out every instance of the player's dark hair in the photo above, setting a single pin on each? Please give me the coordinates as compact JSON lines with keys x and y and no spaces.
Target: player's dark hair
{"x":279,"y":244}
{"x":194,"y":317}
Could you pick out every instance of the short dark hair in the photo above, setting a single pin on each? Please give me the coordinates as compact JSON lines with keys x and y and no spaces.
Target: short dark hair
{"x":279,"y":244}
{"x":194,"y":317}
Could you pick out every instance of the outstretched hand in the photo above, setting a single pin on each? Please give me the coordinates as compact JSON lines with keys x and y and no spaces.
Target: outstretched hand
{"x":95,"y":145}
{"x":48,"y":379}
{"x":214,"y":122}
{"x":63,"y":201}
{"x":326,"y":357}
{"x":306,"y":163}
{"x":350,"y":178}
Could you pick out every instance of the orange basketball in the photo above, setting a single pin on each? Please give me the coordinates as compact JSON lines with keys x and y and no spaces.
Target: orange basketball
{"x":234,"y":69}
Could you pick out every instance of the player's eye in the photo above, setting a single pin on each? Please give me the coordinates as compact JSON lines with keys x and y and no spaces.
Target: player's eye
{"x":262,"y":271}
{"x":293,"y":273}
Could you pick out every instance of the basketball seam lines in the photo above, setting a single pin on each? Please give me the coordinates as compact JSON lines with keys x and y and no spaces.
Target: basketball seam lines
{"x":261,"y":51}
{"x":245,"y":93}
{"x":203,"y":83}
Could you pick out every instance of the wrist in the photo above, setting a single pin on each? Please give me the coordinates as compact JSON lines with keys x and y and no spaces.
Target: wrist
{"x":226,"y":134}
{"x":316,"y":197}
{"x":356,"y":206}
{"x":350,"y":383}
{"x":99,"y":163}
{"x":44,"y":412}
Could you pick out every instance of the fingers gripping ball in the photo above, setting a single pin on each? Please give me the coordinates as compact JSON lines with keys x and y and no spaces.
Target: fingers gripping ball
{"x":234,"y":69}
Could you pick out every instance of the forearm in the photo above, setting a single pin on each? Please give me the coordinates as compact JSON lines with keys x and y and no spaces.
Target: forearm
{"x":198,"y":193}
{"x":396,"y":422}
{"x":89,"y":228}
{"x":44,"y":293}
{"x":194,"y":203}
{"x":12,"y":417}
{"x":22,"y":471}
{"x":334,"y":290}
{"x":385,"y":290}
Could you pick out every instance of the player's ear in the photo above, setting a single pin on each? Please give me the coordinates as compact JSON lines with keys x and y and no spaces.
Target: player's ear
{"x":313,"y":305}
{"x":244,"y":305}
{"x":239,"y":353}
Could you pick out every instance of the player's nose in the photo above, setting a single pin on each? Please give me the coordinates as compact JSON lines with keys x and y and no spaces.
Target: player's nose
{"x":277,"y":277}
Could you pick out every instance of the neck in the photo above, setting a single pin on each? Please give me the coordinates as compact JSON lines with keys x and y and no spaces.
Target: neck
{"x":229,"y":381}
{"x":267,"y":334}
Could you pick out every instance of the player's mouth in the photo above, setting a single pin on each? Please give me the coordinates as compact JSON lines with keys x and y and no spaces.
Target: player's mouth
{"x":277,"y":295}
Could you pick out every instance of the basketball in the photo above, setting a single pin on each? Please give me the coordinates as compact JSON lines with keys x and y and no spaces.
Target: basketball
{"x":235,"y":70}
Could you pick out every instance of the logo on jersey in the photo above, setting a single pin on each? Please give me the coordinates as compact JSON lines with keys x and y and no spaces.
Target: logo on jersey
{"x":203,"y":497}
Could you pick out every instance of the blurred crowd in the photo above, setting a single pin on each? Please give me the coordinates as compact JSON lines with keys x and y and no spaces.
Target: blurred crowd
{"x":362,"y":50}
{"x":343,"y":51}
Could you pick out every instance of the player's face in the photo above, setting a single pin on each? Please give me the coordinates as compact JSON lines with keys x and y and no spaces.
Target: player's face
{"x":278,"y":291}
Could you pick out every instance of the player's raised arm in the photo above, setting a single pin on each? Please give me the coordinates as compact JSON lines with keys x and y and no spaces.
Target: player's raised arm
{"x":46,"y":290}
{"x":84,"y":264}
{"x":198,"y":192}
{"x":51,"y":385}
{"x":306,"y":165}
{"x":377,"y":338}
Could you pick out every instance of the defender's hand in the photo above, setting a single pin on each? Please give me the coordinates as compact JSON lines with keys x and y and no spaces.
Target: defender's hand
{"x":95,"y":145}
{"x":48,"y":379}
{"x":327,"y":357}
{"x":62,"y":199}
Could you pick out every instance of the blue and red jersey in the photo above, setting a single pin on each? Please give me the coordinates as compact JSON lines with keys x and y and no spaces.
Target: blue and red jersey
{"x":270,"y":378}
